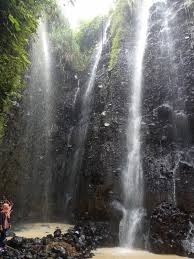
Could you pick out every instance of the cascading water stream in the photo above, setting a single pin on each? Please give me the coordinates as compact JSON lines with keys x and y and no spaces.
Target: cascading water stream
{"x":48,"y":107}
{"x":38,"y":125}
{"x":132,"y":174}
{"x":132,"y":177}
{"x":76,"y":93}
{"x":84,"y":121}
{"x":90,"y":85}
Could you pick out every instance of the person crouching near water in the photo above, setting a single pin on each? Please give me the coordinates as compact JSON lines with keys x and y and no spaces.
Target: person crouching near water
{"x":5,"y":212}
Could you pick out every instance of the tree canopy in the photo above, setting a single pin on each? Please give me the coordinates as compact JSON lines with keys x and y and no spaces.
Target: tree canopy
{"x":19,"y":21}
{"x":119,"y":27}
{"x":89,"y":34}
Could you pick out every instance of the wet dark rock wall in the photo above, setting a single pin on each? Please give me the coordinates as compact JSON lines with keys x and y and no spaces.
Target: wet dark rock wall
{"x":168,"y":107}
{"x":101,"y":167}
{"x":167,"y":135}
{"x":167,"y":131}
{"x":31,"y":153}
{"x":169,"y":230}
{"x":167,"y":122}
{"x":99,"y":195}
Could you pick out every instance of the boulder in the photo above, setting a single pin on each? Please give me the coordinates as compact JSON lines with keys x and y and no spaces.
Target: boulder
{"x":169,"y":226}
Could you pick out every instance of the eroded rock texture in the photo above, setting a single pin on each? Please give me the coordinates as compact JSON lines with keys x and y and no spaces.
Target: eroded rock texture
{"x":79,"y":242}
{"x":35,"y":149}
{"x":168,"y":137}
{"x":167,"y":119}
{"x":167,"y":152}
{"x":99,"y":191}
{"x":168,"y":230}
{"x":167,"y":107}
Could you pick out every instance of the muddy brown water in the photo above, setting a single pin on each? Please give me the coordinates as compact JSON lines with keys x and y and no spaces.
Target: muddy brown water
{"x":33,"y":230}
{"x":40,"y":230}
{"x":121,"y":253}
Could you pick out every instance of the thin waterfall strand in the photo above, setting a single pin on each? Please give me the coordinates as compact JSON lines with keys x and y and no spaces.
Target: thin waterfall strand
{"x":84,"y":120}
{"x":44,"y":39}
{"x":132,"y":174}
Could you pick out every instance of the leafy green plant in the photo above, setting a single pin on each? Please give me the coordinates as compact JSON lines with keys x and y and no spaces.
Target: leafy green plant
{"x":88,"y":36}
{"x":18,"y":21}
{"x":65,"y":46}
{"x":119,"y":26}
{"x":73,"y":49}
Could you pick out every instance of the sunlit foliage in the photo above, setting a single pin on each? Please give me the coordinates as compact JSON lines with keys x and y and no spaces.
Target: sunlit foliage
{"x":88,"y":36}
{"x":18,"y":21}
{"x":66,"y":48}
{"x":119,"y":27}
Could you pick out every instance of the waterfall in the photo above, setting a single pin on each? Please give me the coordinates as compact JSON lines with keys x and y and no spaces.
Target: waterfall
{"x":38,"y":124}
{"x":77,"y":92}
{"x":90,"y":85}
{"x":48,"y":107}
{"x":132,"y":178}
{"x":84,"y":119}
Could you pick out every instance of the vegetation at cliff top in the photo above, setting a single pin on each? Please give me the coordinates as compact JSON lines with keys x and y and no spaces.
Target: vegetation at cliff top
{"x":73,"y":48}
{"x":64,"y":45}
{"x":19,"y":21}
{"x":119,"y":28}
{"x":88,"y":36}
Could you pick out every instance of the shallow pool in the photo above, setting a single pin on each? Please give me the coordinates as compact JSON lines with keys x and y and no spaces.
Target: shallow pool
{"x":32,"y":230}
{"x":122,"y":253}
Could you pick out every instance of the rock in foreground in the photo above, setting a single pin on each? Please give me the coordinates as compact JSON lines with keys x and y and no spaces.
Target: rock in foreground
{"x":78,"y":242}
{"x":169,"y":230}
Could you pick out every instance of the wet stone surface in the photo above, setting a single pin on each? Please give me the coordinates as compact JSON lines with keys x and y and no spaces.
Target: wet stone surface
{"x":169,"y":230}
{"x":78,"y":242}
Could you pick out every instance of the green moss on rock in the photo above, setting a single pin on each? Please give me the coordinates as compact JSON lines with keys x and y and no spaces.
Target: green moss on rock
{"x":119,"y":27}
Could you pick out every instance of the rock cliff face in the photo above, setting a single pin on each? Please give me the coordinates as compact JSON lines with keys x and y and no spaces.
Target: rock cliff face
{"x":101,"y":166}
{"x":99,"y":193}
{"x":167,"y":135}
{"x":167,"y":106}
{"x":33,"y":155}
{"x":167,"y":122}
{"x":169,"y":230}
